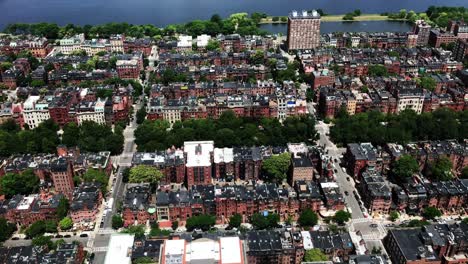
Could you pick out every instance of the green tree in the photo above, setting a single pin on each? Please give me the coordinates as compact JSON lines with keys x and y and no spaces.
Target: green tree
{"x":70,"y":132}
{"x":315,"y":254}
{"x":125,"y":175}
{"x":275,"y":168}
{"x":43,"y":241}
{"x":175,"y":225}
{"x":35,"y":229}
{"x":394,"y":215}
{"x":137,"y":230}
{"x":62,"y":208}
{"x":275,"y":19}
{"x":440,"y":170}
{"x":235,"y":220}
{"x":6,"y":229}
{"x":341,"y":217}
{"x":348,"y":17}
{"x":357,"y":12}
{"x":24,"y":183}
{"x":427,"y":82}
{"x":141,"y":115}
{"x":213,"y":45}
{"x":405,"y":167}
{"x":260,"y":221}
{"x":418,"y":223}
{"x":66,"y":223}
{"x":465,"y":220}
{"x":143,"y":173}
{"x":308,"y":218}
{"x":378,"y":70}
{"x":203,"y":222}
{"x":431,"y":212}
{"x":117,"y":221}
{"x":50,"y":226}
{"x":95,"y":175}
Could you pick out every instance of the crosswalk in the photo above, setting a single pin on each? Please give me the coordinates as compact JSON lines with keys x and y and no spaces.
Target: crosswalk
{"x":99,"y":249}
{"x":106,"y":231}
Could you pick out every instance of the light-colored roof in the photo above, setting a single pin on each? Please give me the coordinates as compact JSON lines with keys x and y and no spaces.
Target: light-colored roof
{"x":329,"y":185}
{"x":230,"y":250}
{"x":25,"y":203}
{"x":118,"y":250}
{"x":198,"y":153}
{"x":307,"y":240}
{"x":174,"y":247}
{"x":202,"y":249}
{"x":225,"y":155}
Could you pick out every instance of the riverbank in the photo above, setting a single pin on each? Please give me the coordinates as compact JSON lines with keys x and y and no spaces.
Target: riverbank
{"x":333,"y":18}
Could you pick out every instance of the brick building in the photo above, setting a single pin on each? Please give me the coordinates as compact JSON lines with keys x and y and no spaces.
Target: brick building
{"x":303,"y":30}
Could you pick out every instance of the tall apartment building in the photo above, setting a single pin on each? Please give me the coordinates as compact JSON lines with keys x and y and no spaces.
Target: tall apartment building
{"x":303,"y":30}
{"x":62,"y":175}
{"x":422,"y":29}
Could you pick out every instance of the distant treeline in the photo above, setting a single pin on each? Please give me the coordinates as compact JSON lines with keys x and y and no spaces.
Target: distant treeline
{"x":240,"y":23}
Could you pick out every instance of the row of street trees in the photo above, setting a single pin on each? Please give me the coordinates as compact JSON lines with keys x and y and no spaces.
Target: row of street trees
{"x":227,"y":131}
{"x":407,"y":126}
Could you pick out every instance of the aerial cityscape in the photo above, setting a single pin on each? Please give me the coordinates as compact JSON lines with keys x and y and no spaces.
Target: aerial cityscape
{"x":316,"y":132}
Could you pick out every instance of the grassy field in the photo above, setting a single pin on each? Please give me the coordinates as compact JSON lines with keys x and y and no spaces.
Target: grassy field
{"x":336,"y":18}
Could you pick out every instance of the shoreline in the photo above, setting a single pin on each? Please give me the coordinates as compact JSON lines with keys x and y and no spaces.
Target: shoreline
{"x":338,"y":18}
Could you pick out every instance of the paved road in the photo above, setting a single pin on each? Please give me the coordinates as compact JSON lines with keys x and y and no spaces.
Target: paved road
{"x":102,"y":236}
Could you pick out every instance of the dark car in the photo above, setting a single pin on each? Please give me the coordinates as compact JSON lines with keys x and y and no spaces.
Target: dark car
{"x":84,"y":235}
{"x":58,"y":236}
{"x":15,"y":238}
{"x":66,"y":236}
{"x":373,"y":225}
{"x":348,"y":179}
{"x":335,"y":170}
{"x":346,"y":192}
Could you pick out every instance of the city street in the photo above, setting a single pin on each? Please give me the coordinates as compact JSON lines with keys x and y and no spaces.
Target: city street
{"x":100,"y":238}
{"x":363,"y":227}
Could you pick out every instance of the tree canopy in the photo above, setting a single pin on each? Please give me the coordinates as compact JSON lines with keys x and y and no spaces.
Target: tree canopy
{"x":341,"y":217}
{"x":227,"y":131}
{"x":407,"y":126}
{"x":260,"y":221}
{"x":24,"y":183}
{"x":66,"y":223}
{"x":315,"y":254}
{"x":308,"y":218}
{"x":275,"y":168}
{"x":117,"y":221}
{"x":235,"y":220}
{"x":405,"y":167}
{"x":93,"y":137}
{"x":203,"y":222}
{"x":440,"y":170}
{"x":36,"y":229}
{"x":144,"y":173}
{"x":62,"y":208}
{"x":42,"y":139}
{"x":431,"y":213}
{"x":6,"y":229}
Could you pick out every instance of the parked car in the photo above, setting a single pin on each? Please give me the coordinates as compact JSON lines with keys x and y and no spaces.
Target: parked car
{"x":373,"y":225}
{"x":348,"y":179}
{"x":15,"y":238}
{"x":84,"y":235}
{"x":346,"y":193}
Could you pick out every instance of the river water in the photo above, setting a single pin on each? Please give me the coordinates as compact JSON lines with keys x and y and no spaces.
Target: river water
{"x":163,"y":12}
